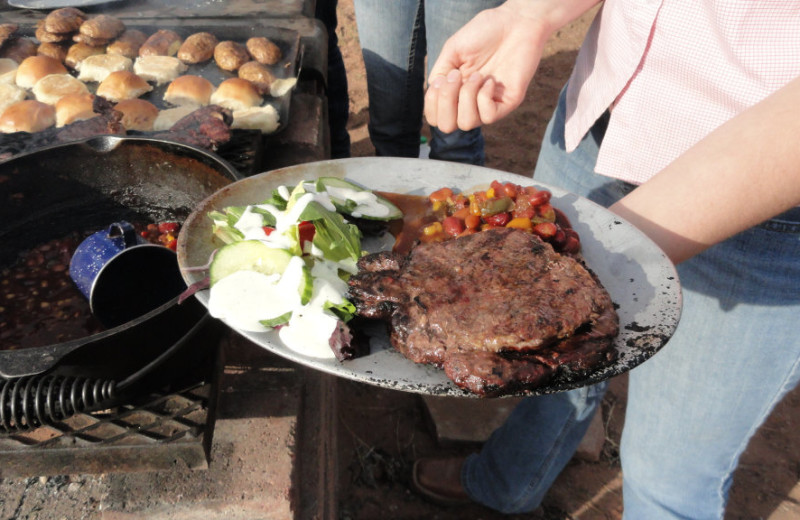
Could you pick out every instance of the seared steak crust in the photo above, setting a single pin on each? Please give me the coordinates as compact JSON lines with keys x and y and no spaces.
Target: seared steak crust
{"x":499,"y":310}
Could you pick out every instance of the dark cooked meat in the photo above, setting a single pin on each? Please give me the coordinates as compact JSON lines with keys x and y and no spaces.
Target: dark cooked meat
{"x":207,"y":127}
{"x":499,"y":310}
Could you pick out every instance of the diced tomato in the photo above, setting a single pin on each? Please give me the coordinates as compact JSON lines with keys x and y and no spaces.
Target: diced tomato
{"x":306,"y":231}
{"x":472,"y":221}
{"x":168,"y":227}
{"x":441,"y":195}
{"x":498,"y":219}
{"x":453,"y":226}
{"x":268,"y":230}
{"x":460,"y":201}
{"x":462,"y":213}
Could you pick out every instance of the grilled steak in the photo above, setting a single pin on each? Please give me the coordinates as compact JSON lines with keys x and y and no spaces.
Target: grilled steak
{"x":499,"y":310}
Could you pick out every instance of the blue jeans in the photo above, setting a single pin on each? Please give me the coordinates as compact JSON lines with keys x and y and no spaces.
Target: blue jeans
{"x":395,"y":36}
{"x":691,"y":408}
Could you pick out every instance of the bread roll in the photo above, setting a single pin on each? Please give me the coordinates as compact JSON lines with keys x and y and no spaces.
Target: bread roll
{"x":264,"y":118}
{"x":88,"y":40}
{"x":18,"y":49}
{"x":102,"y":27}
{"x":198,"y":48}
{"x":122,"y":84}
{"x":10,"y":94}
{"x":236,"y":94}
{"x":54,"y":50}
{"x":189,"y":90}
{"x":159,"y":69}
{"x":128,"y":43}
{"x":230,"y":55}
{"x":34,"y":68}
{"x":264,"y":50}
{"x":7,"y":32}
{"x":74,"y":107}
{"x":167,"y":118}
{"x":257,"y":74}
{"x":53,"y":87}
{"x":64,"y":20}
{"x":98,"y":67}
{"x":47,"y":37}
{"x":8,"y":71}
{"x":161,"y":43}
{"x":137,"y":114}
{"x":27,"y":116}
{"x":79,"y":52}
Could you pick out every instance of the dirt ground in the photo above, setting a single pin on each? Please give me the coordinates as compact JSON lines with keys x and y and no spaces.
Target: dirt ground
{"x":381,"y":432}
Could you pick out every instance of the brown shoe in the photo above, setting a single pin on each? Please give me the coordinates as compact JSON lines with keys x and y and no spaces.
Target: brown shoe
{"x":439,"y":480}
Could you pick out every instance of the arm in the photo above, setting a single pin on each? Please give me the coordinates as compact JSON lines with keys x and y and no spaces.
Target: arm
{"x":484,"y":69}
{"x":745,"y":172}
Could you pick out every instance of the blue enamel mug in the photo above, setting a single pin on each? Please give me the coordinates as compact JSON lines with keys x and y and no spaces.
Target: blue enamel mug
{"x":123,"y":276}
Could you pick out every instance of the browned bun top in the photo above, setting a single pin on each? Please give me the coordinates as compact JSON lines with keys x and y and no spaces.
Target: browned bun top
{"x":189,"y":90}
{"x":137,"y":114}
{"x":122,"y":84}
{"x":74,"y":107}
{"x":34,"y":68}
{"x":27,"y":116}
{"x":236,"y":94}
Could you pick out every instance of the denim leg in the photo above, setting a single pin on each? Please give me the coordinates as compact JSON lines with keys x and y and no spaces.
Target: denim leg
{"x":695,"y":405}
{"x":442,"y":19}
{"x":392,"y":36}
{"x":395,"y":38}
{"x":338,"y":98}
{"x":523,"y":457}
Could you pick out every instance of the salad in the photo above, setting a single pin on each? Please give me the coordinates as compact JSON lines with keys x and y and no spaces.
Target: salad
{"x":286,"y":262}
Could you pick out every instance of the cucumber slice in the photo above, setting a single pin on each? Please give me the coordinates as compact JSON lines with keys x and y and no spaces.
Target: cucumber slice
{"x":306,"y":286}
{"x":249,"y":255}
{"x":283,"y":319}
{"x":357,"y":201}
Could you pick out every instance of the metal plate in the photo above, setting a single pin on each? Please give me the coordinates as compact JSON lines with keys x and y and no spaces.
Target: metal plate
{"x":641,"y":280}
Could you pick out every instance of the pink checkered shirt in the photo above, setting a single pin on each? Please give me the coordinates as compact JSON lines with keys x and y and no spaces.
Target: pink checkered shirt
{"x":671,"y":71}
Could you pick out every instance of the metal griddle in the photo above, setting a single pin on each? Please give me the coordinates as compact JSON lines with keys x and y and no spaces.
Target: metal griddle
{"x":639,"y":277}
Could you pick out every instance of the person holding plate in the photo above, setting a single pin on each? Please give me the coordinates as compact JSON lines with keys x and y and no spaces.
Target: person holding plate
{"x":683,"y":119}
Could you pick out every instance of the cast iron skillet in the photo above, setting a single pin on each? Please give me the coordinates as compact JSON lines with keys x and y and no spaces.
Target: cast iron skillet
{"x":47,"y":193}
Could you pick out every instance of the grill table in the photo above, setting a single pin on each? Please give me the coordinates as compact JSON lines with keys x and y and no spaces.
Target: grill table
{"x":161,"y":432}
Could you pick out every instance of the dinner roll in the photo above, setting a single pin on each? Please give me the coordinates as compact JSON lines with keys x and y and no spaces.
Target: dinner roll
{"x":27,"y":116}
{"x":98,"y":67}
{"x":167,"y":118}
{"x":257,"y":74}
{"x":34,"y":68}
{"x":264,"y":50}
{"x":122,"y":84}
{"x":163,"y":42}
{"x":79,"y":52}
{"x":10,"y":94}
{"x":74,"y":107}
{"x":159,"y":69}
{"x":8,"y":71}
{"x":264,"y":118}
{"x":189,"y":90}
{"x":53,"y":87}
{"x":18,"y":48}
{"x":230,"y":55}
{"x":137,"y":114}
{"x":236,"y":94}
{"x":127,"y":44}
{"x":197,"y":48}
{"x":54,"y":50}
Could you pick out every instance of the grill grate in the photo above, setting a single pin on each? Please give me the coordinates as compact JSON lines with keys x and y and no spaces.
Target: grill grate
{"x":153,"y":433}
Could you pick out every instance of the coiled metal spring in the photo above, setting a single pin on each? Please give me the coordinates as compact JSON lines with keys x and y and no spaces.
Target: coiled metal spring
{"x":29,"y":402}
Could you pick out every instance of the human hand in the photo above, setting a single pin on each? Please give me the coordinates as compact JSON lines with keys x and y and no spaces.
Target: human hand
{"x":484,"y":69}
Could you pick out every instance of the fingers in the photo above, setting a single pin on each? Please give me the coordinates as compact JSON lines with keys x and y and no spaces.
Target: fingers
{"x":453,"y":103}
